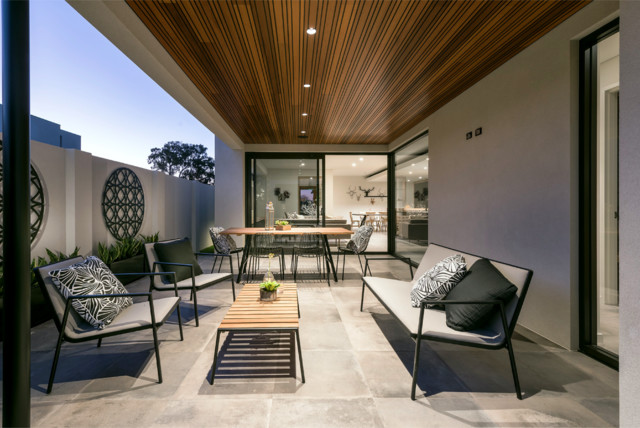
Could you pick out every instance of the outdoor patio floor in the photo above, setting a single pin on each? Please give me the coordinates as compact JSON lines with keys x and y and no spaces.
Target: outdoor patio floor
{"x":357,"y":367}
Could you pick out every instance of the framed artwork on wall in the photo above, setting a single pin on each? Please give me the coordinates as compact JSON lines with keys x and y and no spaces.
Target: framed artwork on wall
{"x":307,"y":200}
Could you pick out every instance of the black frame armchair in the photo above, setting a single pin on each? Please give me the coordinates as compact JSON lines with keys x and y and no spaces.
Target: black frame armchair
{"x":194,"y":284}
{"x":72,"y":328}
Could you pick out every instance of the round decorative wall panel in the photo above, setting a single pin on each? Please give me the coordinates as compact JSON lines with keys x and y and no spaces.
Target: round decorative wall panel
{"x":123,"y":203}
{"x":37,"y":204}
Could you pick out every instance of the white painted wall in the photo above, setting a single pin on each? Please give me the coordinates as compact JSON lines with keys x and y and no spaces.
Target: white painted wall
{"x":343,"y":203}
{"x":229,"y":206}
{"x":73,"y":182}
{"x":511,"y":193}
{"x":629,"y":213}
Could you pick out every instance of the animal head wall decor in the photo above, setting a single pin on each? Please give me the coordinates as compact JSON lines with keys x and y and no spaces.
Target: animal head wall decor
{"x":366,"y":191}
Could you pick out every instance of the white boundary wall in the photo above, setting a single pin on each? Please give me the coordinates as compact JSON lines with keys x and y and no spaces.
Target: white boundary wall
{"x":73,"y":182}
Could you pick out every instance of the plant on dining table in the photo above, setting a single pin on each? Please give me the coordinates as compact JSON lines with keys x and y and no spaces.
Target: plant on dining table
{"x":282,"y":222}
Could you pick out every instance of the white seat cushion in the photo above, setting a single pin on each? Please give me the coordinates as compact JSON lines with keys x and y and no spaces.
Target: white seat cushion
{"x":134,"y":316}
{"x":395,"y":296}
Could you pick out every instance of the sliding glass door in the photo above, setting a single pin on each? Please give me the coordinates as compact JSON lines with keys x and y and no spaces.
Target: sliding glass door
{"x":292,"y":184}
{"x":411,"y":205}
{"x":599,"y":195}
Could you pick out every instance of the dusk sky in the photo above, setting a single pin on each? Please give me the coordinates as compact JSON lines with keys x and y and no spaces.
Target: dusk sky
{"x":81,"y":81}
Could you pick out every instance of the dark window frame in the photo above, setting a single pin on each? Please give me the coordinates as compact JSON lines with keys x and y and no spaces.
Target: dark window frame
{"x":588,"y":299}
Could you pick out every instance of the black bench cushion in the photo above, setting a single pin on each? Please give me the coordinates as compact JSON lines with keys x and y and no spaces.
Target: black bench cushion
{"x":482,"y":282}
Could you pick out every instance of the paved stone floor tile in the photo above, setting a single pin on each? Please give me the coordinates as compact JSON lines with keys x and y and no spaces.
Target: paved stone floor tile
{"x":357,"y":364}
{"x":320,"y":413}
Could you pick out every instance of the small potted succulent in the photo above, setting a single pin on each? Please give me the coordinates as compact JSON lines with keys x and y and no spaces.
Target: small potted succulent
{"x":283,"y":225}
{"x":269,"y":291}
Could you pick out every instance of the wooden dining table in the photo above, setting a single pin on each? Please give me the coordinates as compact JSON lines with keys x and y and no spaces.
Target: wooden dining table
{"x":249,"y":232}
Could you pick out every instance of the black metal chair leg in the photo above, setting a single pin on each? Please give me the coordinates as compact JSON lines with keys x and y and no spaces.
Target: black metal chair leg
{"x":55,"y":363}
{"x":215,"y":259}
{"x":361,"y":267}
{"x":99,"y":342}
{"x":326,"y":266}
{"x":215,"y":357}
{"x":195,"y":307}
{"x":416,"y":357}
{"x":514,"y":370}
{"x":295,"y":268}
{"x":344,"y":257}
{"x":180,"y":322}
{"x":233,"y":285}
{"x":362,"y":298}
{"x":297,"y":333}
{"x":155,"y":345}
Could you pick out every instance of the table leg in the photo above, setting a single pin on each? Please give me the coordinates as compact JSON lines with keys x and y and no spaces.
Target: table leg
{"x":215,"y":357}
{"x":297,"y":333}
{"x":329,"y":257}
{"x":245,"y":256}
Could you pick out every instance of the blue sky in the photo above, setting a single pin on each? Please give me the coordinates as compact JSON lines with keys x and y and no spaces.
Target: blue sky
{"x":84,"y":83}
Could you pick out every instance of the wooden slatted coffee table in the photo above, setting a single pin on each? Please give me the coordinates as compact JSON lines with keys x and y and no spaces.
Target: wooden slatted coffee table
{"x":249,"y":314}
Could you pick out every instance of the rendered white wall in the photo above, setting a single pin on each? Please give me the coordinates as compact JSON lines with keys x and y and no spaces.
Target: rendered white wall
{"x":73,"y":182}
{"x":511,"y":193}
{"x":629,"y":213}
{"x":229,"y":206}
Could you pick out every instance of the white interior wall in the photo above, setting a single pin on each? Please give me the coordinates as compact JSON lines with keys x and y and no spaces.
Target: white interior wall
{"x":343,"y":203}
{"x":629,"y":213}
{"x":510,"y":194}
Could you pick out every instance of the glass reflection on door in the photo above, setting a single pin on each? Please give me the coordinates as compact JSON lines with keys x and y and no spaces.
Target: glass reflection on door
{"x":607,"y":193}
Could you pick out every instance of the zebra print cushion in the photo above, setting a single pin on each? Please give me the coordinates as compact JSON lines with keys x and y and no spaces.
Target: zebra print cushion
{"x":220,"y":242}
{"x":358,"y":244}
{"x":92,"y":276}
{"x":439,"y":280}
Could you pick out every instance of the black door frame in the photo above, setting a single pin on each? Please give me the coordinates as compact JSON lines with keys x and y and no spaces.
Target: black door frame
{"x":587,"y":209}
{"x":250,"y":158}
{"x":391,"y":167}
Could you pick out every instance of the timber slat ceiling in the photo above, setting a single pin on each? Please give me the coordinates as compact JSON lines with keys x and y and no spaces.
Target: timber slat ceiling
{"x":376,"y":68}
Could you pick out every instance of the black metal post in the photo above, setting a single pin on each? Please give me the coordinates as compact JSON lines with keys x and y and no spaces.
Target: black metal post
{"x":16,"y":216}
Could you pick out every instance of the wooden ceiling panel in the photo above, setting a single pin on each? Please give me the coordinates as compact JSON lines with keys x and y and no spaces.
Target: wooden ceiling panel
{"x":376,"y":68}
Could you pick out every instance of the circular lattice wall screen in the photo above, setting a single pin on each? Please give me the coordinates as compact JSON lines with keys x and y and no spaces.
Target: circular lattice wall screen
{"x":123,"y":203}
{"x":37,"y":205}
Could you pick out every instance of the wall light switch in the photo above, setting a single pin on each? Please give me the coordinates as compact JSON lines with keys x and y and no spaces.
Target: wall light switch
{"x":469,"y":135}
{"x":478,"y":131}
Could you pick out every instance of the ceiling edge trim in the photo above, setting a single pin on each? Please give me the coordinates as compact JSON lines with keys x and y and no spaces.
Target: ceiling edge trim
{"x":317,"y":148}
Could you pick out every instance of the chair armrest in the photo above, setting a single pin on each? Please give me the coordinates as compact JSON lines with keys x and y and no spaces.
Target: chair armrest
{"x":173,"y":264}
{"x":212,"y":254}
{"x":152,"y":274}
{"x":101,"y":296}
{"x":401,"y":258}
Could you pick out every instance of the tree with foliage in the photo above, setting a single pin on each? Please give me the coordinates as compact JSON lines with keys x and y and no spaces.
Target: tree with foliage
{"x":183,"y":160}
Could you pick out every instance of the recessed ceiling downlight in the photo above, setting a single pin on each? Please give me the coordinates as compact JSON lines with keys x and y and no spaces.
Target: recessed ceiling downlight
{"x":353,"y":164}
{"x":311,"y":31}
{"x":303,"y":132}
{"x":307,"y":85}
{"x":305,"y":114}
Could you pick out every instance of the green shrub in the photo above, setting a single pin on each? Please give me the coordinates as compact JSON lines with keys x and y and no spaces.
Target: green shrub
{"x":124,"y":248}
